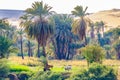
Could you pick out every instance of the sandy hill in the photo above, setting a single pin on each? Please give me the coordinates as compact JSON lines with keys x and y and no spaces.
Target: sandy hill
{"x":110,"y":17}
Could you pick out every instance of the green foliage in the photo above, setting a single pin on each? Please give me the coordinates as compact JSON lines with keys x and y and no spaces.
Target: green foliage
{"x":4,"y":24}
{"x":116,"y":46}
{"x":95,"y":72}
{"x":79,"y":25}
{"x":42,"y":27}
{"x":108,"y":54}
{"x":55,"y":76}
{"x":47,"y":76}
{"x":39,"y":8}
{"x":63,"y":36}
{"x":6,"y":47}
{"x":4,"y":68}
{"x":93,"y":53}
{"x":82,"y":75}
{"x":43,"y":59}
{"x":101,"y":72}
{"x":79,"y":11}
{"x":115,"y":32}
{"x":25,"y":75}
{"x":18,"y":68}
{"x":5,"y":44}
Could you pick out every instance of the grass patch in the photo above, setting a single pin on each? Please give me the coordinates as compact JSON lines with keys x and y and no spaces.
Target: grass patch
{"x":58,"y":69}
{"x":19,"y":68}
{"x":33,"y":64}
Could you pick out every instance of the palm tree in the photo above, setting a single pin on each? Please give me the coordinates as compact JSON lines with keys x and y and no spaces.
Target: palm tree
{"x":20,"y":33}
{"x":63,"y":36}
{"x":80,"y":24}
{"x":26,"y":23}
{"x":92,"y":27}
{"x":42,"y":28}
{"x":98,"y":27}
{"x":4,"y":27}
{"x":102,"y":26}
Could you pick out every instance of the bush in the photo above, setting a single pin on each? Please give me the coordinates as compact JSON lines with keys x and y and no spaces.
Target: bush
{"x":93,"y":53}
{"x":47,"y":76}
{"x":82,"y":75}
{"x":24,"y":75}
{"x":55,"y":76}
{"x":5,"y":45}
{"x":116,"y":46}
{"x":95,"y":72}
{"x":101,"y":72}
{"x":4,"y":68}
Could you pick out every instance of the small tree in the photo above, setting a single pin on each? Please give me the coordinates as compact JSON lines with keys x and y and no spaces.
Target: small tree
{"x":93,"y":53}
{"x":6,"y":47}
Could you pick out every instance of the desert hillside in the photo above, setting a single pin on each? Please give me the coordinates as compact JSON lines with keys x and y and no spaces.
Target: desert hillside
{"x":110,"y":17}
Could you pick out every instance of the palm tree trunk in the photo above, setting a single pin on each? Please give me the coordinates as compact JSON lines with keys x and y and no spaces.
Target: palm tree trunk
{"x":92,"y":33}
{"x":31,"y":52}
{"x":29,"y":49}
{"x":58,"y":48}
{"x":103,"y":30}
{"x":85,"y":40}
{"x":44,"y":53}
{"x":118,"y":54}
{"x":46,"y":66}
{"x":21,"y":47}
{"x":8,"y":55}
{"x":54,"y":44}
{"x":38,"y":50}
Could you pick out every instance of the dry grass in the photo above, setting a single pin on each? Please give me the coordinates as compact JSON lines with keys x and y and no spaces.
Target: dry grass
{"x":32,"y":60}
{"x":26,"y":61}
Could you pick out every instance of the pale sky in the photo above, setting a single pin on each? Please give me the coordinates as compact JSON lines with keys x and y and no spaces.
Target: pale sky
{"x":63,"y":6}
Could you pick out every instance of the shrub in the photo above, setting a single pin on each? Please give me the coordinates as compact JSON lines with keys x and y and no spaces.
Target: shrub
{"x":93,"y":53}
{"x":101,"y":72}
{"x":95,"y":72}
{"x":4,"y":68}
{"x":116,"y":46}
{"x":55,"y":76}
{"x":47,"y":76}
{"x":24,"y":75}
{"x":5,"y":44}
{"x":82,"y":75}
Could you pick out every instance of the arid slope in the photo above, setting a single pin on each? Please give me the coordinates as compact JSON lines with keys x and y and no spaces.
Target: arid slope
{"x":110,"y":17}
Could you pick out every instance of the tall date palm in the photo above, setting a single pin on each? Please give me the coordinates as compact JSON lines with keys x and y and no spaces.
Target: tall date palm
{"x":80,"y":24}
{"x":42,"y":29}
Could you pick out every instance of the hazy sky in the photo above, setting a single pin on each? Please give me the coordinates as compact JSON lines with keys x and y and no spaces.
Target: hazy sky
{"x":63,"y":6}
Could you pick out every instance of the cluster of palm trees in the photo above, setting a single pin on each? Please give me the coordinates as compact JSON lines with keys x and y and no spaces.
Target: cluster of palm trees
{"x":66,"y":32}
{"x":42,"y":24}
